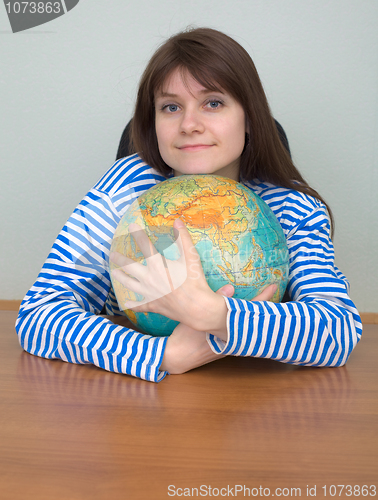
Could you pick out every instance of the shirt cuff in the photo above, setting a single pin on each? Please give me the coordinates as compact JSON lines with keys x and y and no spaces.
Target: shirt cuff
{"x":238,"y":316}
{"x":217,"y":345}
{"x":156,"y":375}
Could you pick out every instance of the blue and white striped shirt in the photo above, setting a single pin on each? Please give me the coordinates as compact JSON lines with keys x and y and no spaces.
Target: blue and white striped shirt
{"x":59,"y":316}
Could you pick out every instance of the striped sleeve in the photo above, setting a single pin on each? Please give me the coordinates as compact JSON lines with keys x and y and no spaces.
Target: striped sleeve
{"x":321,"y":325}
{"x":59,"y":316}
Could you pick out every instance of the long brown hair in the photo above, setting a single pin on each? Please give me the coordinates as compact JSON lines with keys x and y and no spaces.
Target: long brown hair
{"x":218,"y":63}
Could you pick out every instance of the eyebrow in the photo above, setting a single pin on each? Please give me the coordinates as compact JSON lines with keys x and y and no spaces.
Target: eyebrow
{"x":172,"y":96}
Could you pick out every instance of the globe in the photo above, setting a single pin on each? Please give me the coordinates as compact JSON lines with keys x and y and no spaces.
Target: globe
{"x":237,"y":236}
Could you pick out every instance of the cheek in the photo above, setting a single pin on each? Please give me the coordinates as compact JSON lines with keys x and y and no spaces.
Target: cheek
{"x":164,"y":141}
{"x":237,"y":134}
{"x":163,"y":135}
{"x":160,"y":139}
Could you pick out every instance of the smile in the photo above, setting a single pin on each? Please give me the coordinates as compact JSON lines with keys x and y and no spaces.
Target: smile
{"x":195,"y":147}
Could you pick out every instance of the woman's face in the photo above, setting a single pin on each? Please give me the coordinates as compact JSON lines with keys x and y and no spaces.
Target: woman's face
{"x":199,"y":131}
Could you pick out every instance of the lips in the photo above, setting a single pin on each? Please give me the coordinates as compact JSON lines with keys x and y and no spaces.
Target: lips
{"x":195,"y":147}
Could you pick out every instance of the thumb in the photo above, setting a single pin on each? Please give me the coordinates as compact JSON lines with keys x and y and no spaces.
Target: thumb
{"x":187,"y":250}
{"x":227,"y":290}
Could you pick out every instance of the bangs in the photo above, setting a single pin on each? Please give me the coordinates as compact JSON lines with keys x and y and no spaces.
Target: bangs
{"x":209,"y":78}
{"x":212,"y":59}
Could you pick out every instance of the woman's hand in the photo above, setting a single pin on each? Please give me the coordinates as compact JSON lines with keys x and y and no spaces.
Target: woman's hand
{"x":175,"y":288}
{"x":187,"y":348}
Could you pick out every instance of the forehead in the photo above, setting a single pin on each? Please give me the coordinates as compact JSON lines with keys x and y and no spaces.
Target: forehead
{"x":181,"y":80}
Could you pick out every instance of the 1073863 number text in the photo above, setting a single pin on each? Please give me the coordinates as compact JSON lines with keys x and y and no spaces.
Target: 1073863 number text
{"x":350,"y":491}
{"x":34,"y":7}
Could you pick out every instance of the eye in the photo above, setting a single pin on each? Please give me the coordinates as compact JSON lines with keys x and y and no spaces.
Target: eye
{"x":214,"y":104}
{"x":171,"y":108}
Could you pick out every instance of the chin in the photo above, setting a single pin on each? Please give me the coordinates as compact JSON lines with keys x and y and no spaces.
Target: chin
{"x":196,"y":170}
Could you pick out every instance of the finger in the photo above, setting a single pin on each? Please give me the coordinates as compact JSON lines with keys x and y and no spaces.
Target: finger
{"x":120,"y":260}
{"x":143,"y":305}
{"x":188,"y":253}
{"x":227,"y":290}
{"x":128,"y":265}
{"x":267,"y":294}
{"x":142,"y":240}
{"x":128,"y":282}
{"x":184,"y":241}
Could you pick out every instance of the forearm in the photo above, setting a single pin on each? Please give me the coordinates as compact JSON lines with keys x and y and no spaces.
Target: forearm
{"x":63,"y":330}
{"x":185,"y":350}
{"x":188,"y":348}
{"x":211,"y":316}
{"x":317,"y":333}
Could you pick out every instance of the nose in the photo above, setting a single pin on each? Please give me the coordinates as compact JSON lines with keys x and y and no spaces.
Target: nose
{"x":191,"y":122}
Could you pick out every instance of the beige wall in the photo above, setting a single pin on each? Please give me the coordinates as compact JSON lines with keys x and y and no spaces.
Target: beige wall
{"x":67,"y":90}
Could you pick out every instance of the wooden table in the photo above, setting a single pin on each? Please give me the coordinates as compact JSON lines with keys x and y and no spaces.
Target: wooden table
{"x":77,"y":432}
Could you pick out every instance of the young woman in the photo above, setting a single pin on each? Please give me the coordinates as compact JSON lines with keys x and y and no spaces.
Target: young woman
{"x":201,"y":109}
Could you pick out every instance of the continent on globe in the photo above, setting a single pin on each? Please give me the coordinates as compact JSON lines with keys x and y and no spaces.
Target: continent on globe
{"x":237,"y":236}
